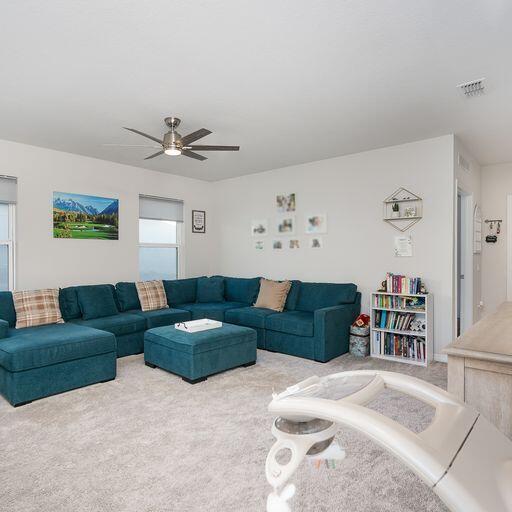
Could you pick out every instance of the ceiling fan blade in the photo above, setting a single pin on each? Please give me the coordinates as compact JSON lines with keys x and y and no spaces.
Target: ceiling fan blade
{"x":131,"y":146}
{"x":198,"y":134}
{"x":215,"y":148}
{"x":143,"y":134}
{"x":158,"y":153}
{"x":191,"y":154}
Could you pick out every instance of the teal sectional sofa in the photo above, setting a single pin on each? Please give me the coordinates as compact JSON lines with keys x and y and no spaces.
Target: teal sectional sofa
{"x":103,"y":322}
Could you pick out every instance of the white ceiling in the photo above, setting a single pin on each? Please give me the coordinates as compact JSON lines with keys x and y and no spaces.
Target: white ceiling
{"x":290,"y":81}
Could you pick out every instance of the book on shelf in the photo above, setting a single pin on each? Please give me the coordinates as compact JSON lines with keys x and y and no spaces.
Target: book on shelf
{"x":398,"y":302}
{"x":402,"y":284}
{"x":393,"y":320}
{"x":398,"y":345}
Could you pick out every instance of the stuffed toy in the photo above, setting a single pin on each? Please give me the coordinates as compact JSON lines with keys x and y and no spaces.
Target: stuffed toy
{"x":362,"y":321}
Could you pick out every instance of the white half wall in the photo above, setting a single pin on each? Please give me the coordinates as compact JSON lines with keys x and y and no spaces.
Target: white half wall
{"x":42,"y":261}
{"x":359,"y":245}
{"x":496,"y":186}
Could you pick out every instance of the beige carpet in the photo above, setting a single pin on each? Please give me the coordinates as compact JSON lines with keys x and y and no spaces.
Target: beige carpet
{"x":149,"y":442}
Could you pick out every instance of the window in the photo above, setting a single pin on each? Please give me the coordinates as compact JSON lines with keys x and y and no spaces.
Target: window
{"x":7,"y":210}
{"x":160,"y":222}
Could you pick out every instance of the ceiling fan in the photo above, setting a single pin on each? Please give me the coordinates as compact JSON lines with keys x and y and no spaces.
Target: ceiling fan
{"x":174,"y":144}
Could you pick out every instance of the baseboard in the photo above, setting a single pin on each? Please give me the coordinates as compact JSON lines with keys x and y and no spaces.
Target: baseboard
{"x":442,"y":358}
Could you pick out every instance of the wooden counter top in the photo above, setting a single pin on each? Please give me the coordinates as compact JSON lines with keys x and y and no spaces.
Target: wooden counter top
{"x":489,"y":339}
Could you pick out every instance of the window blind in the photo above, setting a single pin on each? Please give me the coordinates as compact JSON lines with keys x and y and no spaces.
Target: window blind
{"x":159,"y":208}
{"x":8,"y":189}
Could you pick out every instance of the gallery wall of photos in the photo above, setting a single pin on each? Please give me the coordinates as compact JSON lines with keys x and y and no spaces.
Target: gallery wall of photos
{"x":288,"y":231}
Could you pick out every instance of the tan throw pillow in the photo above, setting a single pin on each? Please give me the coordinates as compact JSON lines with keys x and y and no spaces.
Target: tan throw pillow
{"x":151,"y":295}
{"x":37,"y":307}
{"x":273,"y":294}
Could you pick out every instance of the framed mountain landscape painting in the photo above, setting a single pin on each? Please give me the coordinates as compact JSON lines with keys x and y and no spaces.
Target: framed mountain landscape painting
{"x":81,"y":216}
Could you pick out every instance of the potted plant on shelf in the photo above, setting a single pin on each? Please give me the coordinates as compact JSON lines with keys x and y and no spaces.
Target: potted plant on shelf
{"x":395,"y":210}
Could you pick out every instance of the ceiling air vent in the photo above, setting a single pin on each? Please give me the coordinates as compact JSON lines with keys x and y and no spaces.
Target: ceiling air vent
{"x":473,"y":88}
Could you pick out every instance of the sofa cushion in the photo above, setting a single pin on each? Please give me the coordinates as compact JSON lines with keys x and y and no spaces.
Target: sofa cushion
{"x":211,"y":310}
{"x":35,"y":347}
{"x":300,"y":323}
{"x":68,"y":300}
{"x":210,"y":289}
{"x":7,"y":311}
{"x":161,"y":317}
{"x":249,"y":316}
{"x":151,"y":295}
{"x":180,"y":291}
{"x":96,"y":301}
{"x":299,"y":346}
{"x":293,"y":295}
{"x":122,"y":323}
{"x":238,"y":289}
{"x":314,"y":296}
{"x":4,"y":328}
{"x":127,"y":296}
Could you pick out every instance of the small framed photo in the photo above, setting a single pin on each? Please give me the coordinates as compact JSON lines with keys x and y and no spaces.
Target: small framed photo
{"x":316,"y":242}
{"x":259,"y":245}
{"x":410,"y":211}
{"x":286,"y":225}
{"x":198,"y":221}
{"x":294,"y":244}
{"x":277,"y":245}
{"x":316,"y":224}
{"x":259,"y":227}
{"x":285,"y":203}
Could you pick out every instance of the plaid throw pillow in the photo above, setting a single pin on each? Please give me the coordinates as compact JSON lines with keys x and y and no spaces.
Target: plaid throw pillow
{"x":151,"y":295}
{"x":37,"y":307}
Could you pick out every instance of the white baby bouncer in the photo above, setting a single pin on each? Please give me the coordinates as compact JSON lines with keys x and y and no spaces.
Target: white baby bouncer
{"x":464,"y":459}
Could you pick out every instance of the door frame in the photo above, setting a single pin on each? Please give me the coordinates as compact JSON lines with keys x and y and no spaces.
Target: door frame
{"x":466,"y":244}
{"x":509,"y":247}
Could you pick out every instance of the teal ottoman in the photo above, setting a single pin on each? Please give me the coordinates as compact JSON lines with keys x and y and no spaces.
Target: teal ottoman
{"x":194,"y":356}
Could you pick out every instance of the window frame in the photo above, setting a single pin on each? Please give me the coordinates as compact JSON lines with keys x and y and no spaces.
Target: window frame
{"x":178,"y":245}
{"x":11,"y":245}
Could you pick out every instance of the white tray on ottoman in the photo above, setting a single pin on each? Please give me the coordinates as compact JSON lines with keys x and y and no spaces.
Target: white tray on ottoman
{"x":198,"y":325}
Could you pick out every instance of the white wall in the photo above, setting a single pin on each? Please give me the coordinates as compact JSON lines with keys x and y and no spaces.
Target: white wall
{"x":359,"y":245}
{"x":45,"y":261}
{"x":496,"y":185}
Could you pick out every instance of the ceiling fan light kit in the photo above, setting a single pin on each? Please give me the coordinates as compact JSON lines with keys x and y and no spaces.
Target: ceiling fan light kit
{"x":174,"y":144}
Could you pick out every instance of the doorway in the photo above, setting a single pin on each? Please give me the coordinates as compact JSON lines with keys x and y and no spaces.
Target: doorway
{"x":464,"y":261}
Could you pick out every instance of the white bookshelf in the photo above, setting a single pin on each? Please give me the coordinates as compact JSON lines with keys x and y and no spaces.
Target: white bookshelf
{"x":379,"y":334}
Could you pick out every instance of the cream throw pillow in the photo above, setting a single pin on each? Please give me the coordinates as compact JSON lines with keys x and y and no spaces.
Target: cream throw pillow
{"x":37,"y":307}
{"x":273,"y":294}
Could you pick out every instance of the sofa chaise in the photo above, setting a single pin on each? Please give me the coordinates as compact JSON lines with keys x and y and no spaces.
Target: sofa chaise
{"x":103,"y":322}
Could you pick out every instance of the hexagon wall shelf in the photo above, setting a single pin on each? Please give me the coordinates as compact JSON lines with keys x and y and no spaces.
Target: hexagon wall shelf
{"x":410,"y":209}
